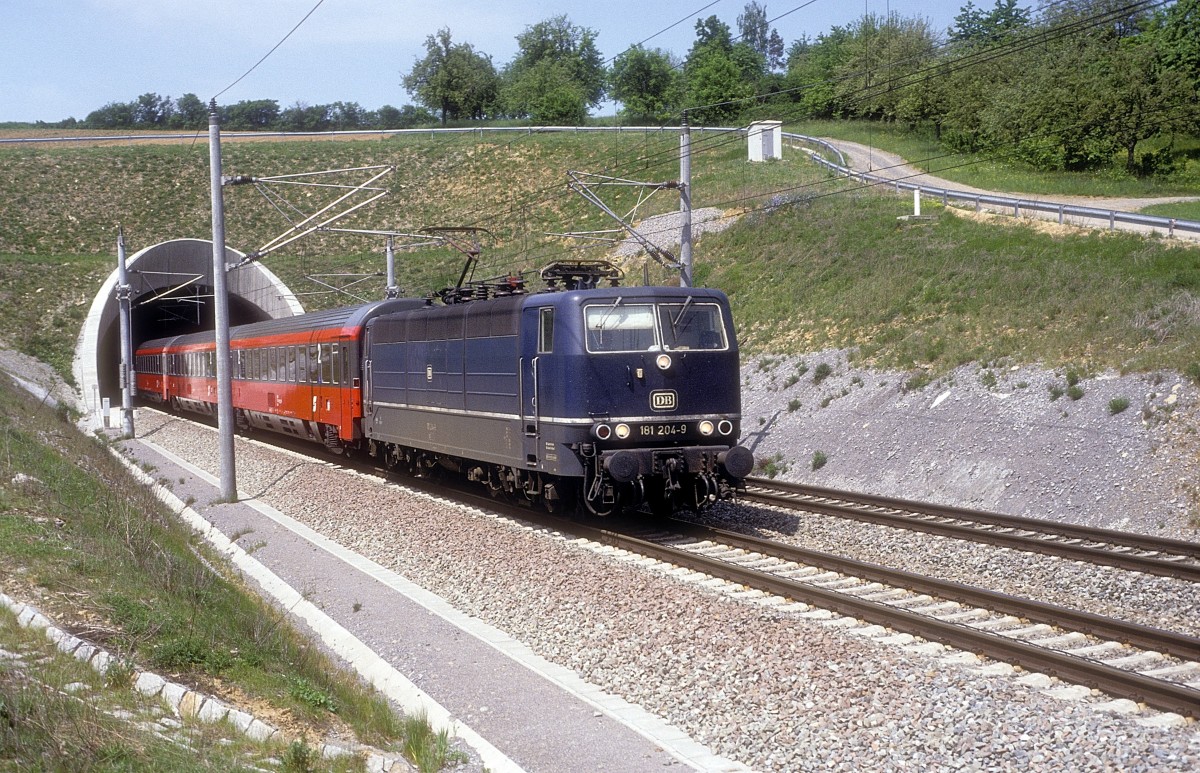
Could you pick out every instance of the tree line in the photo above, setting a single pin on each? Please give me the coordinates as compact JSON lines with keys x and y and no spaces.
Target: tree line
{"x":1071,"y":84}
{"x":153,"y":111}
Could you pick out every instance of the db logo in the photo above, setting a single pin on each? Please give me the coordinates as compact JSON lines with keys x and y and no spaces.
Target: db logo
{"x":663,"y":400}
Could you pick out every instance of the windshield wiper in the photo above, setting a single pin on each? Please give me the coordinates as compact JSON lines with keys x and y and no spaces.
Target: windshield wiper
{"x":682,"y":311}
{"x":609,"y":313}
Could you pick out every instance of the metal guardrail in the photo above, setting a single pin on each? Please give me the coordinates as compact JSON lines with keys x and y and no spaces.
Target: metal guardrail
{"x":1169,"y":225}
{"x":480,"y":130}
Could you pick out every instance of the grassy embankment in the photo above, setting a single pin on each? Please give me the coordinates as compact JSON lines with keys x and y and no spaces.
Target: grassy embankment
{"x":834,"y":269}
{"x":101,"y":555}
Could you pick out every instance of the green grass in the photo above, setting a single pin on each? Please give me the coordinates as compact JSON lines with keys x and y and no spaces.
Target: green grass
{"x":1181,"y":210}
{"x":990,"y":173}
{"x":831,"y":268}
{"x":57,"y":713}
{"x":842,"y":272}
{"x":100,"y":553}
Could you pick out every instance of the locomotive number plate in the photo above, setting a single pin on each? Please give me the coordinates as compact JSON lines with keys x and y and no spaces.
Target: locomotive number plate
{"x":662,"y":430}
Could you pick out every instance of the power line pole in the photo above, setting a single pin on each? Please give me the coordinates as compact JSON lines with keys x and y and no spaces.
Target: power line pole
{"x":392,"y":290}
{"x":225,"y":420}
{"x":685,"y":202}
{"x":126,"y":379}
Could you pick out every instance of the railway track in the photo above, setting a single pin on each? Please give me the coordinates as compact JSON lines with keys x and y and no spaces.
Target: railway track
{"x":1124,"y":550}
{"x":1149,"y":665}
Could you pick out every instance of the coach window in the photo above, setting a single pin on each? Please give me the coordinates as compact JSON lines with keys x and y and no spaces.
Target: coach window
{"x":302,"y":364}
{"x":546,"y":331}
{"x":326,"y":364}
{"x":291,"y":364}
{"x":314,"y":364}
{"x":336,"y":369}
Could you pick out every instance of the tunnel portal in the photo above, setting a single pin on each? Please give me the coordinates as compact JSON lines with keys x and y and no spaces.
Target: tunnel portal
{"x":171,"y":294}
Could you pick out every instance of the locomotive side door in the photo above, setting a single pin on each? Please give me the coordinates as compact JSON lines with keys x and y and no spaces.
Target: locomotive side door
{"x":537,"y":330}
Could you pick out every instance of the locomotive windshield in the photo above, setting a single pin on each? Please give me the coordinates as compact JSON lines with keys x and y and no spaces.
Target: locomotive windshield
{"x":644,"y":326}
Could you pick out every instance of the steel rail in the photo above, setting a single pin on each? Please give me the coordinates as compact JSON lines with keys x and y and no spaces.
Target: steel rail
{"x":872,"y":509}
{"x":1166,"y":696}
{"x":1146,"y":637}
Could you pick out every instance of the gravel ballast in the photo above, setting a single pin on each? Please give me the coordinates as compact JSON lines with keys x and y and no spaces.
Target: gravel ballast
{"x":774,"y":687}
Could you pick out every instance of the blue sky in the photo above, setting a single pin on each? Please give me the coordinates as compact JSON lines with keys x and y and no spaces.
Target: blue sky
{"x":65,"y":58}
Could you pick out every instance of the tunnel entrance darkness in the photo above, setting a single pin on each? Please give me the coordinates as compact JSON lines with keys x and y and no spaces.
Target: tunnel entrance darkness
{"x":171,"y":291}
{"x":160,"y":319}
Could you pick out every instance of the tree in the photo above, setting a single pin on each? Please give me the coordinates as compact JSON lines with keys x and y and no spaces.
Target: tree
{"x":453,"y":79}
{"x":407,"y":117}
{"x":302,"y":117}
{"x":348,"y":116}
{"x":190,"y":113}
{"x":114,"y":115}
{"x":151,"y":110}
{"x":753,"y":27}
{"x":715,"y":73}
{"x":250,"y":114}
{"x":558,"y":55}
{"x":879,"y":58}
{"x":647,"y":84}
{"x":812,"y":70}
{"x":1176,"y":33}
{"x":976,"y":26}
{"x":758,"y":34}
{"x":548,"y":94}
{"x":712,"y":31}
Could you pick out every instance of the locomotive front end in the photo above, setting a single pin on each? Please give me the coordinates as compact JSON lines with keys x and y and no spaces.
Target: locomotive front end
{"x":661,"y":389}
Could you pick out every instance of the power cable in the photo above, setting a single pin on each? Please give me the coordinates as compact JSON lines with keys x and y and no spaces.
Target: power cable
{"x":266,"y":55}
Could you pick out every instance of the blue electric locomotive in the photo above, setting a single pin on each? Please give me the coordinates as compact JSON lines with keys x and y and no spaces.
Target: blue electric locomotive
{"x":611,"y":396}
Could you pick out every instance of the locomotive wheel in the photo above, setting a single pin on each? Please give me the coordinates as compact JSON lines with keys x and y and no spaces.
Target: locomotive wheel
{"x":661,"y":503}
{"x":559,"y":497}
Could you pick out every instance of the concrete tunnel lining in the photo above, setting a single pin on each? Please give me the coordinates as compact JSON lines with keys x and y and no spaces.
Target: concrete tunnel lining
{"x":185,"y":267}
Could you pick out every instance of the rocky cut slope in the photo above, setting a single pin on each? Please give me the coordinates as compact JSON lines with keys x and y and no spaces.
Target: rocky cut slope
{"x":1106,"y":450}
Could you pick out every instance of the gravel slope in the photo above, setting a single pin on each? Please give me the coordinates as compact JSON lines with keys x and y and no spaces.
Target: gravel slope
{"x":993,"y":439}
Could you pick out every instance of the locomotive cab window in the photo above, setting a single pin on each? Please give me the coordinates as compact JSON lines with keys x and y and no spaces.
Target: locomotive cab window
{"x":618,"y":327}
{"x":692,"y":326}
{"x":546,"y":331}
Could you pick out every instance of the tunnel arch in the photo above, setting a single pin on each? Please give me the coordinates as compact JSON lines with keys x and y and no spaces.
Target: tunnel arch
{"x":171,"y":293}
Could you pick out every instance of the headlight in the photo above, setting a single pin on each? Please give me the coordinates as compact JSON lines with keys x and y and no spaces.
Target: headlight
{"x":602,"y":431}
{"x":663,"y":361}
{"x":706,"y":427}
{"x":622,"y":431}
{"x":725,"y":427}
